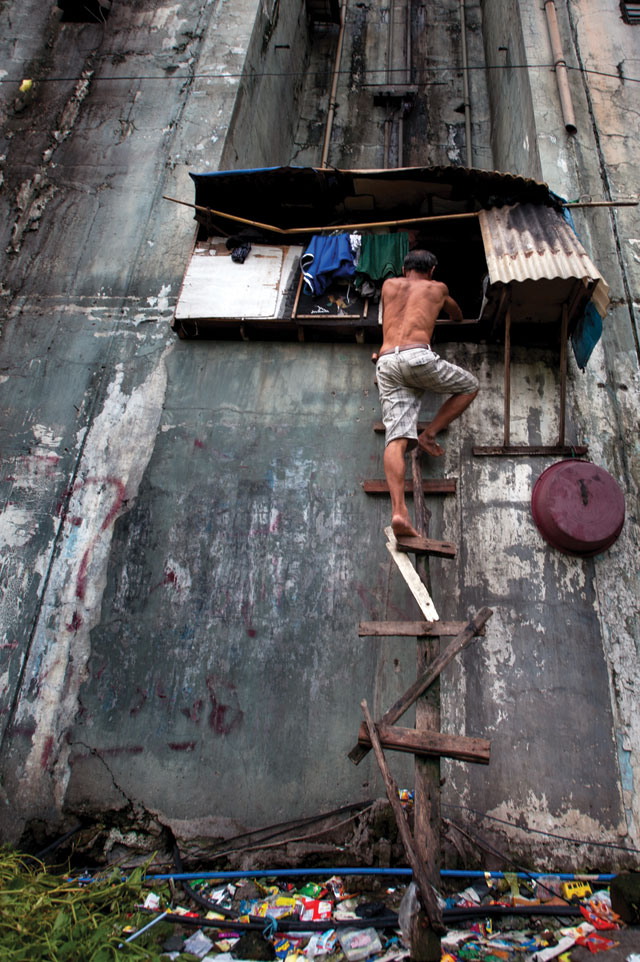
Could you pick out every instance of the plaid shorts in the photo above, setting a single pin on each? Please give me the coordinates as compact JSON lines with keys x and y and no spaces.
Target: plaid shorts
{"x":404,"y":376}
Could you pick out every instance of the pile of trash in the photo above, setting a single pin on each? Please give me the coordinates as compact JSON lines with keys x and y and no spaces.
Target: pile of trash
{"x":502,"y":918}
{"x":311,"y":915}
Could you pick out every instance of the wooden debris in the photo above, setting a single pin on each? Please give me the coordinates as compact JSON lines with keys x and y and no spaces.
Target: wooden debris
{"x":532,"y":450}
{"x":432,"y":744}
{"x":358,"y":752}
{"x":427,"y":896}
{"x":429,"y":486}
{"x":411,"y":629}
{"x":410,"y":575}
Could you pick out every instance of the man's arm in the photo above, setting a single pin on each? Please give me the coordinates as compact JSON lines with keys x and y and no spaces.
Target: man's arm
{"x":452,"y":309}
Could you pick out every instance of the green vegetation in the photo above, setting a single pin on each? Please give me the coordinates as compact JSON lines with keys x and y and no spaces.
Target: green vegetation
{"x":46,"y":917}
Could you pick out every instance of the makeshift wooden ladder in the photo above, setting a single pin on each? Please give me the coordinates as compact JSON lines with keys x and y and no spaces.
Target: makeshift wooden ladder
{"x":426,"y":742}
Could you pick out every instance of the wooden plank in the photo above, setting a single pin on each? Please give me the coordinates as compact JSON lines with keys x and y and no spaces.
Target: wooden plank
{"x":427,"y":819}
{"x":430,"y":743}
{"x":418,"y":688}
{"x":429,"y":486}
{"x":298,"y":293}
{"x":426,"y":546}
{"x":531,"y":450}
{"x":411,"y":629}
{"x":427,"y":896}
{"x":408,"y":572}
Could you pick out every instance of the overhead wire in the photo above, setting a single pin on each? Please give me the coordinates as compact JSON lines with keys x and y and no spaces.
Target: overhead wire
{"x":539,"y":831}
{"x":256,"y":75}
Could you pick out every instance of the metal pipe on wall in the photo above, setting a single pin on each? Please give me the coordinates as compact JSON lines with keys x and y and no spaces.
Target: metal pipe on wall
{"x":334,"y":86}
{"x":560,"y":65}
{"x":390,"y":41}
{"x":389,"y":75}
{"x":465,"y":85}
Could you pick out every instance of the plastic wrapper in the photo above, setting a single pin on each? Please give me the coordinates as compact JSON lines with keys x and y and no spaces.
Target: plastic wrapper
{"x":321,"y":944}
{"x":313,"y":910}
{"x":547,"y":886}
{"x":283,"y":947}
{"x":312,"y":890}
{"x":409,"y":908}
{"x":276,"y":908}
{"x":359,"y":944}
{"x":598,"y":921}
{"x":336,"y":887}
{"x":198,"y":944}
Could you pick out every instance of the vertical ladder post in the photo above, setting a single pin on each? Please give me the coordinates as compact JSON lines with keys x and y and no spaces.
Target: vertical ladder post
{"x":564,"y":336}
{"x":425,"y":943}
{"x":507,"y":378}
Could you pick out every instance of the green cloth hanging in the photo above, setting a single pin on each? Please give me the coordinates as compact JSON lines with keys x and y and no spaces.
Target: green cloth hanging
{"x":381,"y":256}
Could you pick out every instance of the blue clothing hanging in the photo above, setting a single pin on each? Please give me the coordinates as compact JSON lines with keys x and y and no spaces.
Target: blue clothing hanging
{"x":325,"y":258}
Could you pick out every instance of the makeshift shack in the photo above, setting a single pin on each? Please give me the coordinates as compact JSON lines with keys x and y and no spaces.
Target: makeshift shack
{"x":504,"y":243}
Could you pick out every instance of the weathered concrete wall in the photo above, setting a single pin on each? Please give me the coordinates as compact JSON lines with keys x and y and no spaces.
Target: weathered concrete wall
{"x":187,"y":551}
{"x":596,"y":163}
{"x":107,"y":513}
{"x":374,"y":57}
{"x":267,"y":107}
{"x":513,"y":129}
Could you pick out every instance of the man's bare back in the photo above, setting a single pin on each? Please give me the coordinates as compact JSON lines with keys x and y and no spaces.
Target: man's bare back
{"x":410,"y":307}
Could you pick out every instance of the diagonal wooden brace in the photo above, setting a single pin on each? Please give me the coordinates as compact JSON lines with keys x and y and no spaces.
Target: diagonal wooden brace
{"x":358,"y":752}
{"x":427,"y":896}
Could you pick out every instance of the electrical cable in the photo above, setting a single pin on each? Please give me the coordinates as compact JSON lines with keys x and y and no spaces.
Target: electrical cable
{"x":197,"y":896}
{"x":494,"y":851}
{"x":538,"y":831}
{"x":280,"y":828}
{"x":388,"y":921}
{"x":284,"y":827}
{"x":252,"y":76}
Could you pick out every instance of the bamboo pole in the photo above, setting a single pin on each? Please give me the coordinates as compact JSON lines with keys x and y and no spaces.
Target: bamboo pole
{"x":601,"y":203}
{"x":318,"y":230}
{"x":334,"y":87}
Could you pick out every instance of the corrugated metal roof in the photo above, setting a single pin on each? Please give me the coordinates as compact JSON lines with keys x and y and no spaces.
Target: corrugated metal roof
{"x":529,"y":242}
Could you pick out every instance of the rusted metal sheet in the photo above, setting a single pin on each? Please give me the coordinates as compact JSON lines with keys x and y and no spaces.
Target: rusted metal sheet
{"x":528,"y":242}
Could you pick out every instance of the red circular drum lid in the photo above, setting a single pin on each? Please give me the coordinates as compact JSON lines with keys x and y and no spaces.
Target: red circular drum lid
{"x":578,"y":507}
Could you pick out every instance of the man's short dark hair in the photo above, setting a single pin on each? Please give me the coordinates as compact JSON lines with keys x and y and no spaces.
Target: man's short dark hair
{"x":421,"y":261}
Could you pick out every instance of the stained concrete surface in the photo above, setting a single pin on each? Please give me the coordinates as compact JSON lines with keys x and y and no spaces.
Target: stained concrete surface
{"x":187,"y":548}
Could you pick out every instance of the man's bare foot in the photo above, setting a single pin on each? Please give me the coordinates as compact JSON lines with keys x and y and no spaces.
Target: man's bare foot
{"x":402,"y":527}
{"x":430,"y":445}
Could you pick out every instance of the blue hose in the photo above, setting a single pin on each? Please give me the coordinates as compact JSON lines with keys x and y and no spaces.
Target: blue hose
{"x":391,"y":872}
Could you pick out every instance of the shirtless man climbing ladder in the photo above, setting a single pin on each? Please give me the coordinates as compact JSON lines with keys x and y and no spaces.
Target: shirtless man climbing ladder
{"x":406,"y":367}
